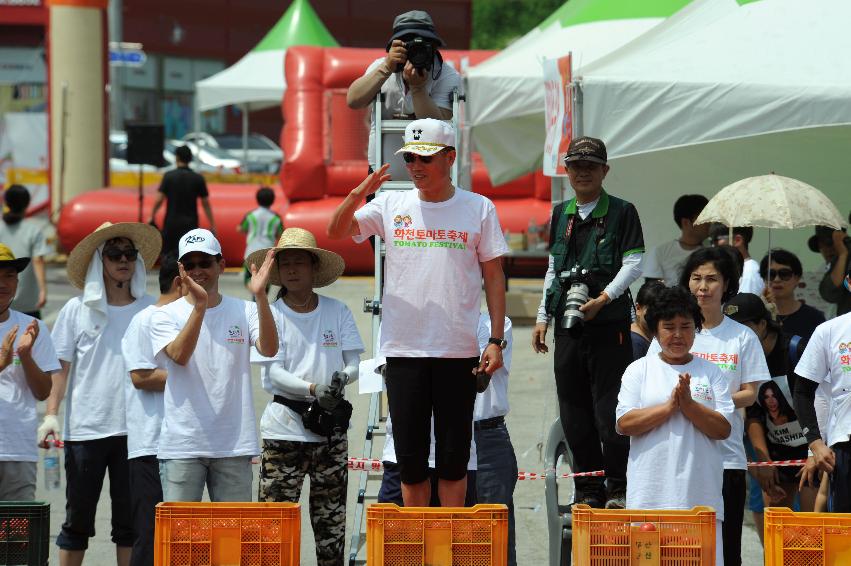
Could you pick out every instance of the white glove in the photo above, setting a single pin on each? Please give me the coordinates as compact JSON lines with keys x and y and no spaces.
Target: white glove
{"x":50,"y":425}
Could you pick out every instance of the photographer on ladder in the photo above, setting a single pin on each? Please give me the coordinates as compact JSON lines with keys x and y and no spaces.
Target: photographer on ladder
{"x":421,"y":85}
{"x":596,"y":247}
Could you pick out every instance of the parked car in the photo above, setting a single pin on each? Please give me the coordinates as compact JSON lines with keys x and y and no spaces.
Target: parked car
{"x":264,"y":155}
{"x":118,"y":156}
{"x":206,"y":159}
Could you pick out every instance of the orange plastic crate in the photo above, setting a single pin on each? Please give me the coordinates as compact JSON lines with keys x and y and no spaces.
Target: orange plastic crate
{"x":436,"y":536}
{"x":612,"y":537}
{"x":806,"y":539}
{"x":227,"y":534}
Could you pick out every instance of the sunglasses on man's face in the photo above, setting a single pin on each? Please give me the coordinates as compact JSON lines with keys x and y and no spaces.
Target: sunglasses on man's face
{"x":201,"y":263}
{"x":411,"y":157}
{"x":115,"y":254}
{"x":784,"y":274}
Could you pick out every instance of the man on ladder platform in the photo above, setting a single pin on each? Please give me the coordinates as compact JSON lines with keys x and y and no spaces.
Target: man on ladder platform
{"x":443,"y":243}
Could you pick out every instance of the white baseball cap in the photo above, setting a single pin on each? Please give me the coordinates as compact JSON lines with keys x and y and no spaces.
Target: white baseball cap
{"x":198,"y":240}
{"x":428,"y":136}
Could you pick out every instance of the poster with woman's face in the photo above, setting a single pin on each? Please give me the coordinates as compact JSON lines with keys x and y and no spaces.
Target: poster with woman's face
{"x":781,"y":422}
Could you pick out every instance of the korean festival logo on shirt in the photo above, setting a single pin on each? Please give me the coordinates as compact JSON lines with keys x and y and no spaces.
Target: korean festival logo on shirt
{"x":404,"y":236}
{"x":701,"y":391}
{"x":725,"y":362}
{"x":400,"y":221}
{"x":329,"y":340}
{"x":235,"y":335}
{"x":845,"y":356}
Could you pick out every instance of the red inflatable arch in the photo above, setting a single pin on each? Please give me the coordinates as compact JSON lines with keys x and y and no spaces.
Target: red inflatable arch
{"x":325,"y":146}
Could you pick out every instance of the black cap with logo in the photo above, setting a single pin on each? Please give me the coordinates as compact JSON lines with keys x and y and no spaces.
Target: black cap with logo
{"x":586,"y":149}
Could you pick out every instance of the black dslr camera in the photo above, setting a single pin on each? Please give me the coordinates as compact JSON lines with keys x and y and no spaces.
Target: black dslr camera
{"x":420,"y":53}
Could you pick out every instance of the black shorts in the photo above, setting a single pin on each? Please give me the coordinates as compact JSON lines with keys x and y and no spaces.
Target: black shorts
{"x":418,"y":387}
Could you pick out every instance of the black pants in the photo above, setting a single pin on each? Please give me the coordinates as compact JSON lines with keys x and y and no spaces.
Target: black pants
{"x":588,"y":372}
{"x":840,"y":479}
{"x":145,"y":492}
{"x":86,"y":464}
{"x":734,"y":492}
{"x":418,"y":388}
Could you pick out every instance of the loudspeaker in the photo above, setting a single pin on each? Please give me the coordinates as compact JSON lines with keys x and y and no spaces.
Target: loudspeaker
{"x":145,"y":144}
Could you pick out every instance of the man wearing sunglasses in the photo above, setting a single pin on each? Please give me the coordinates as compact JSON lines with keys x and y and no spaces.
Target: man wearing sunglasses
{"x":209,"y":432}
{"x":442,"y":241}
{"x":783,"y":276}
{"x":600,"y":236}
{"x":109,"y":266}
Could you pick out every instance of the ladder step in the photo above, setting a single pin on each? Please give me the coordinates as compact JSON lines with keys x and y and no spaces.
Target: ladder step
{"x":394,"y":126}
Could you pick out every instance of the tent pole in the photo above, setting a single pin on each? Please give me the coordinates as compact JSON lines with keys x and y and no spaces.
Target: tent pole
{"x":245,"y":137}
{"x":576,"y":123}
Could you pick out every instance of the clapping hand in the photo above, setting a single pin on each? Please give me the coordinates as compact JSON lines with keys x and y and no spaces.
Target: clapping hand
{"x":6,"y":351}
{"x":26,"y":342}
{"x":683,"y":390}
{"x":190,"y":288}
{"x":260,"y":277}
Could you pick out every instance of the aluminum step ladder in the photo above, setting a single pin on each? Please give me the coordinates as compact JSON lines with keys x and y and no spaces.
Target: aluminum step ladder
{"x":369,"y":482}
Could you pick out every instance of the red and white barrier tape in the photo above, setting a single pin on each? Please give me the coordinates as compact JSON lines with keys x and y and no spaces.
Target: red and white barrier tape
{"x":370,"y":465}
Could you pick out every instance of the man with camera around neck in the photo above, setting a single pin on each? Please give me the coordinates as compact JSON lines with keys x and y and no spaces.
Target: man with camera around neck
{"x":596,"y":248}
{"x":420,"y":83}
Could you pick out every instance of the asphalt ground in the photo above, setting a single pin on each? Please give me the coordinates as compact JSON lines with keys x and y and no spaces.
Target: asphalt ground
{"x":533,"y":408}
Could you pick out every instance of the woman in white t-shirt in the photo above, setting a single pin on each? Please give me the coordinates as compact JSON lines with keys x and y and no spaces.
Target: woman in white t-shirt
{"x":318,"y":354}
{"x":676,"y":407}
{"x":711,"y":276}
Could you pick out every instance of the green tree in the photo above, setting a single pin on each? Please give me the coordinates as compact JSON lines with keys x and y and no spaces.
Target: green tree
{"x":496,"y":23}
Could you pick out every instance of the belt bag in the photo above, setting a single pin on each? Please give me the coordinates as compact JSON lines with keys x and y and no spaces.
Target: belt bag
{"x":318,"y":420}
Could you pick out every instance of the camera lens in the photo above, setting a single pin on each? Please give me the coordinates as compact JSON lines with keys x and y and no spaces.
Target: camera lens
{"x":577,"y":296}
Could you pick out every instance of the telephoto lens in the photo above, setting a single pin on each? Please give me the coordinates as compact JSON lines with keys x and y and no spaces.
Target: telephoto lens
{"x":577,"y":296}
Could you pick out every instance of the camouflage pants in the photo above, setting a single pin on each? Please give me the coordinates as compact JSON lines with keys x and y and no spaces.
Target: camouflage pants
{"x":282,"y":469}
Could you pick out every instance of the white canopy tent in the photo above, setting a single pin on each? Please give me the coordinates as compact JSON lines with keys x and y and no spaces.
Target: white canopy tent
{"x":256,"y":81}
{"x":719,"y":92}
{"x":506,"y":93}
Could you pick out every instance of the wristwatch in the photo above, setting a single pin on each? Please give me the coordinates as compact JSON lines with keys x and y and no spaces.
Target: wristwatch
{"x":501,"y":342}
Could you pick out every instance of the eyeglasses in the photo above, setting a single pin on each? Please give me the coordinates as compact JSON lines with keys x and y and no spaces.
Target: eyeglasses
{"x":583,"y":165}
{"x":785,"y":274}
{"x":202,"y":264}
{"x":411,"y":157}
{"x":115,"y":254}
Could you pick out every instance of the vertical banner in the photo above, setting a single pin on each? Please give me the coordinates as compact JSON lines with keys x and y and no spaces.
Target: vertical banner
{"x":559,"y":113}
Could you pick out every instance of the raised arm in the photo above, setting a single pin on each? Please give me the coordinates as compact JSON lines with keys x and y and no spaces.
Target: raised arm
{"x":183,"y":346}
{"x":364,"y":89}
{"x":267,"y":343}
{"x":343,"y":223}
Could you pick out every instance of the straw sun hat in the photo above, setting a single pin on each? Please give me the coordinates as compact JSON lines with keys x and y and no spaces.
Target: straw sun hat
{"x":145,"y":238}
{"x":330,"y":265}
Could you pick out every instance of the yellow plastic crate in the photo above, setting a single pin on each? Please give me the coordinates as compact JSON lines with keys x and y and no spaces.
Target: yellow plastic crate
{"x":614,"y":537}
{"x":436,"y":536}
{"x":227,"y":534}
{"x":806,"y":539}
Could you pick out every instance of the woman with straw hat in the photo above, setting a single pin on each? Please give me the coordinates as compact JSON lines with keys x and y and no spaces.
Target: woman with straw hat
{"x":318,"y":354}
{"x":109,"y":266}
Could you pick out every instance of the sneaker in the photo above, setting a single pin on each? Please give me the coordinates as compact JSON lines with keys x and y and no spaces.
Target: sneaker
{"x":616,"y":500}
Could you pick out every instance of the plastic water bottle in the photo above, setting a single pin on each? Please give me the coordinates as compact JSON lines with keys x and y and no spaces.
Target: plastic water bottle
{"x":52,"y":478}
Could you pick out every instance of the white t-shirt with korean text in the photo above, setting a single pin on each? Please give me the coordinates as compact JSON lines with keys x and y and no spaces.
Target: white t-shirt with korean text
{"x":827,"y":361}
{"x":94,"y":402}
{"x":144,"y":408}
{"x":432,"y":293}
{"x":311,"y":347}
{"x":208,"y":404}
{"x":737,"y":352}
{"x":18,"y":419}
{"x":675,"y":465}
